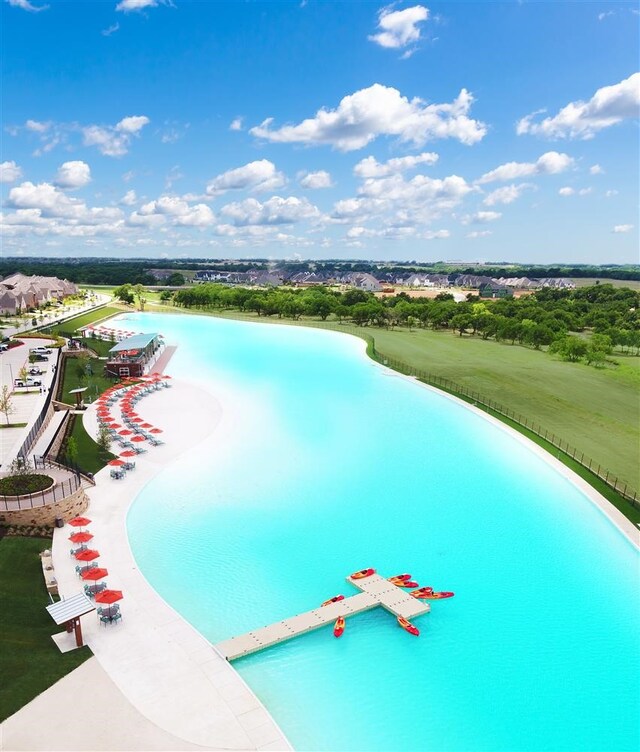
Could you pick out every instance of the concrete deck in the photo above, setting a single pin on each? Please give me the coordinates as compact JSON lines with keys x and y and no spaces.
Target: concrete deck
{"x":376,"y":591}
{"x":162,"y":666}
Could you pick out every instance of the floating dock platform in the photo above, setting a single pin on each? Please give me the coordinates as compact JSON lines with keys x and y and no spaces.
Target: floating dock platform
{"x":375,"y":591}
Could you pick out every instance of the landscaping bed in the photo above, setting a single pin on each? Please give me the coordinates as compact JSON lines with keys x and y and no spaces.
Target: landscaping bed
{"x":20,"y":485}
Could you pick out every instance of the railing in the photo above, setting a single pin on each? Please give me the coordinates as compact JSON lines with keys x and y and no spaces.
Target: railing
{"x":35,"y":428}
{"x":60,"y":490}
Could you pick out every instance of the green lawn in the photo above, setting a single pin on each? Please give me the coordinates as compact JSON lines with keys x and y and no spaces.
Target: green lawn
{"x":579,"y":403}
{"x":30,"y":662}
{"x":76,"y":376}
{"x":84,"y":319}
{"x":90,"y":458}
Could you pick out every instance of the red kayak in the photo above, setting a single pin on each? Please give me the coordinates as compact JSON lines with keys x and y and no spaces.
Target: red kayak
{"x":362,"y":573}
{"x":335,"y":599}
{"x":408,"y":626}
{"x":338,"y":627}
{"x":400,"y":577}
{"x":405,"y":583}
{"x":438,"y":596}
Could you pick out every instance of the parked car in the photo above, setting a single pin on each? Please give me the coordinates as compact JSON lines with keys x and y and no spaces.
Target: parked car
{"x":40,"y":358}
{"x":27,"y":382}
{"x":3,"y":347}
{"x":35,"y":371}
{"x":41,"y":350}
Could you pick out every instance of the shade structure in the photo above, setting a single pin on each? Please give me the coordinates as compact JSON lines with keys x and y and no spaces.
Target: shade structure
{"x":156,"y":430}
{"x":95,"y":574}
{"x":82,"y":537}
{"x":125,"y":432}
{"x":80,"y":521}
{"x":137,"y":420}
{"x":129,"y":453}
{"x":109,"y":596}
{"x":146,"y":425}
{"x":116,"y":425}
{"x":116,"y":463}
{"x":89,"y":554}
{"x":138,"y":438}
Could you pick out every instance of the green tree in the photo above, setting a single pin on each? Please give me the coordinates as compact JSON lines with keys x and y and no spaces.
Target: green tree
{"x":139,"y":293}
{"x":569,"y":348}
{"x":104,"y":439}
{"x":124,"y":293}
{"x":71,"y":451}
{"x":176,"y":280}
{"x":6,"y":402}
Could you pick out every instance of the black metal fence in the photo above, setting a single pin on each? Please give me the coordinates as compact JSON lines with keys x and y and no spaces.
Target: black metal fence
{"x":37,"y":425}
{"x":61,"y":489}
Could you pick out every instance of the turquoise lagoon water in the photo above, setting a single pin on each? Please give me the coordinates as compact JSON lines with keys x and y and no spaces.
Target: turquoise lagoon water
{"x":338,"y":465}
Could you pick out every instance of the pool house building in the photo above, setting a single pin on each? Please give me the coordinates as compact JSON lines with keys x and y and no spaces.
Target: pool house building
{"x":133,"y":356}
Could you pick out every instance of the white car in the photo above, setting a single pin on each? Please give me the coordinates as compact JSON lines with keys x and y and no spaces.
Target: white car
{"x":27,"y":382}
{"x":41,"y":350}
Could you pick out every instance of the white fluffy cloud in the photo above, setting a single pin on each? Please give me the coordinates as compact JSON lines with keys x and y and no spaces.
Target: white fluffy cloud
{"x":507,"y":194}
{"x":129,"y":198}
{"x":26,"y":5}
{"x":376,"y":111}
{"x":596,"y":169}
{"x":623,"y":228}
{"x":481,"y":218}
{"x":236,"y":124}
{"x":260,"y":175}
{"x":75,"y":174}
{"x":314,"y":180}
{"x":274,"y":211}
{"x":550,"y":163}
{"x":369,"y":167}
{"x":114,"y":140}
{"x":399,"y":28}
{"x":45,"y":209}
{"x":608,"y":106}
{"x":176,"y":209}
{"x":479,"y":234}
{"x":566,"y":191}
{"x":9,"y":172}
{"x":126,"y":6}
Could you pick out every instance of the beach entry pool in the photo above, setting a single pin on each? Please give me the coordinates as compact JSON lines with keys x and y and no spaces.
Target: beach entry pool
{"x":323,"y":464}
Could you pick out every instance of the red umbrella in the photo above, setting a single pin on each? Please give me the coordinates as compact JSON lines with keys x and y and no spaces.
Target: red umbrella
{"x":125,"y":432}
{"x":116,"y":463}
{"x":88,"y":554}
{"x":97,"y":573}
{"x":128,"y":453}
{"x":146,"y":425}
{"x":138,"y":438}
{"x":80,"y":521}
{"x":156,"y":430}
{"x":80,"y":537}
{"x":109,"y":596}
{"x":116,"y":425}
{"x":137,"y":420}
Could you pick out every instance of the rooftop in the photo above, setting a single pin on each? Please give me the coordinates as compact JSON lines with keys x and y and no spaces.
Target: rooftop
{"x":137,"y":342}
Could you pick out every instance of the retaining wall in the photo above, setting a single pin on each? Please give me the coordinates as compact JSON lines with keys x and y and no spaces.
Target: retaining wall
{"x":68,"y":508}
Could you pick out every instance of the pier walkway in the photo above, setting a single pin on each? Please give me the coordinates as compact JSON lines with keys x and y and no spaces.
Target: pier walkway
{"x":376,"y":591}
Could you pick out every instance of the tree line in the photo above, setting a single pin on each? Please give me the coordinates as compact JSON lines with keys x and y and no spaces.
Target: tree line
{"x":553,"y":319}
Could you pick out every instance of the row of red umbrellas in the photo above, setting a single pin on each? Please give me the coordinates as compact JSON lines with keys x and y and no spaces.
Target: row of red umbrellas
{"x":87,"y":554}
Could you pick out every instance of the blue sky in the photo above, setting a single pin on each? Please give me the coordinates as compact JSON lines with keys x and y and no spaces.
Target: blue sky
{"x":458,"y":130}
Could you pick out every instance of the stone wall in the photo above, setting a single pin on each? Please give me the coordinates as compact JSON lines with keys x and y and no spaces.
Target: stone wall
{"x":68,"y":508}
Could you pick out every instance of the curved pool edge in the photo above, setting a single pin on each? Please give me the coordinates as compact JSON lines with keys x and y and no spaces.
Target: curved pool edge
{"x":204,"y":700}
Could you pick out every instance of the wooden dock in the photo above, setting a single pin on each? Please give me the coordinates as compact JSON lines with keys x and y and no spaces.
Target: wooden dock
{"x":375,"y":591}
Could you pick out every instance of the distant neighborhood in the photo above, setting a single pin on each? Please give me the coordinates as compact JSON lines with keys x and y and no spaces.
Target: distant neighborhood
{"x":20,"y":293}
{"x":488,"y":287}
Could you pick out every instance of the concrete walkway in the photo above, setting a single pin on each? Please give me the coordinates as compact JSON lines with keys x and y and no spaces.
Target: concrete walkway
{"x":85,"y":711}
{"x":162,"y":665}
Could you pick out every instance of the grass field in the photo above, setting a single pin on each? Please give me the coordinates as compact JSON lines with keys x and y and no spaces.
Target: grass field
{"x":30,"y":662}
{"x":84,"y":319}
{"x":90,"y":458}
{"x":588,"y":281}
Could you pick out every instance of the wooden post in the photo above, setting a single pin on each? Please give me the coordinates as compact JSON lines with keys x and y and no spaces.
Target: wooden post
{"x":78,"y":629}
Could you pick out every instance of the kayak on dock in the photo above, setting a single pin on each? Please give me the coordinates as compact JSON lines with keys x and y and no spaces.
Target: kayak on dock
{"x":335,"y":599}
{"x":362,"y":573}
